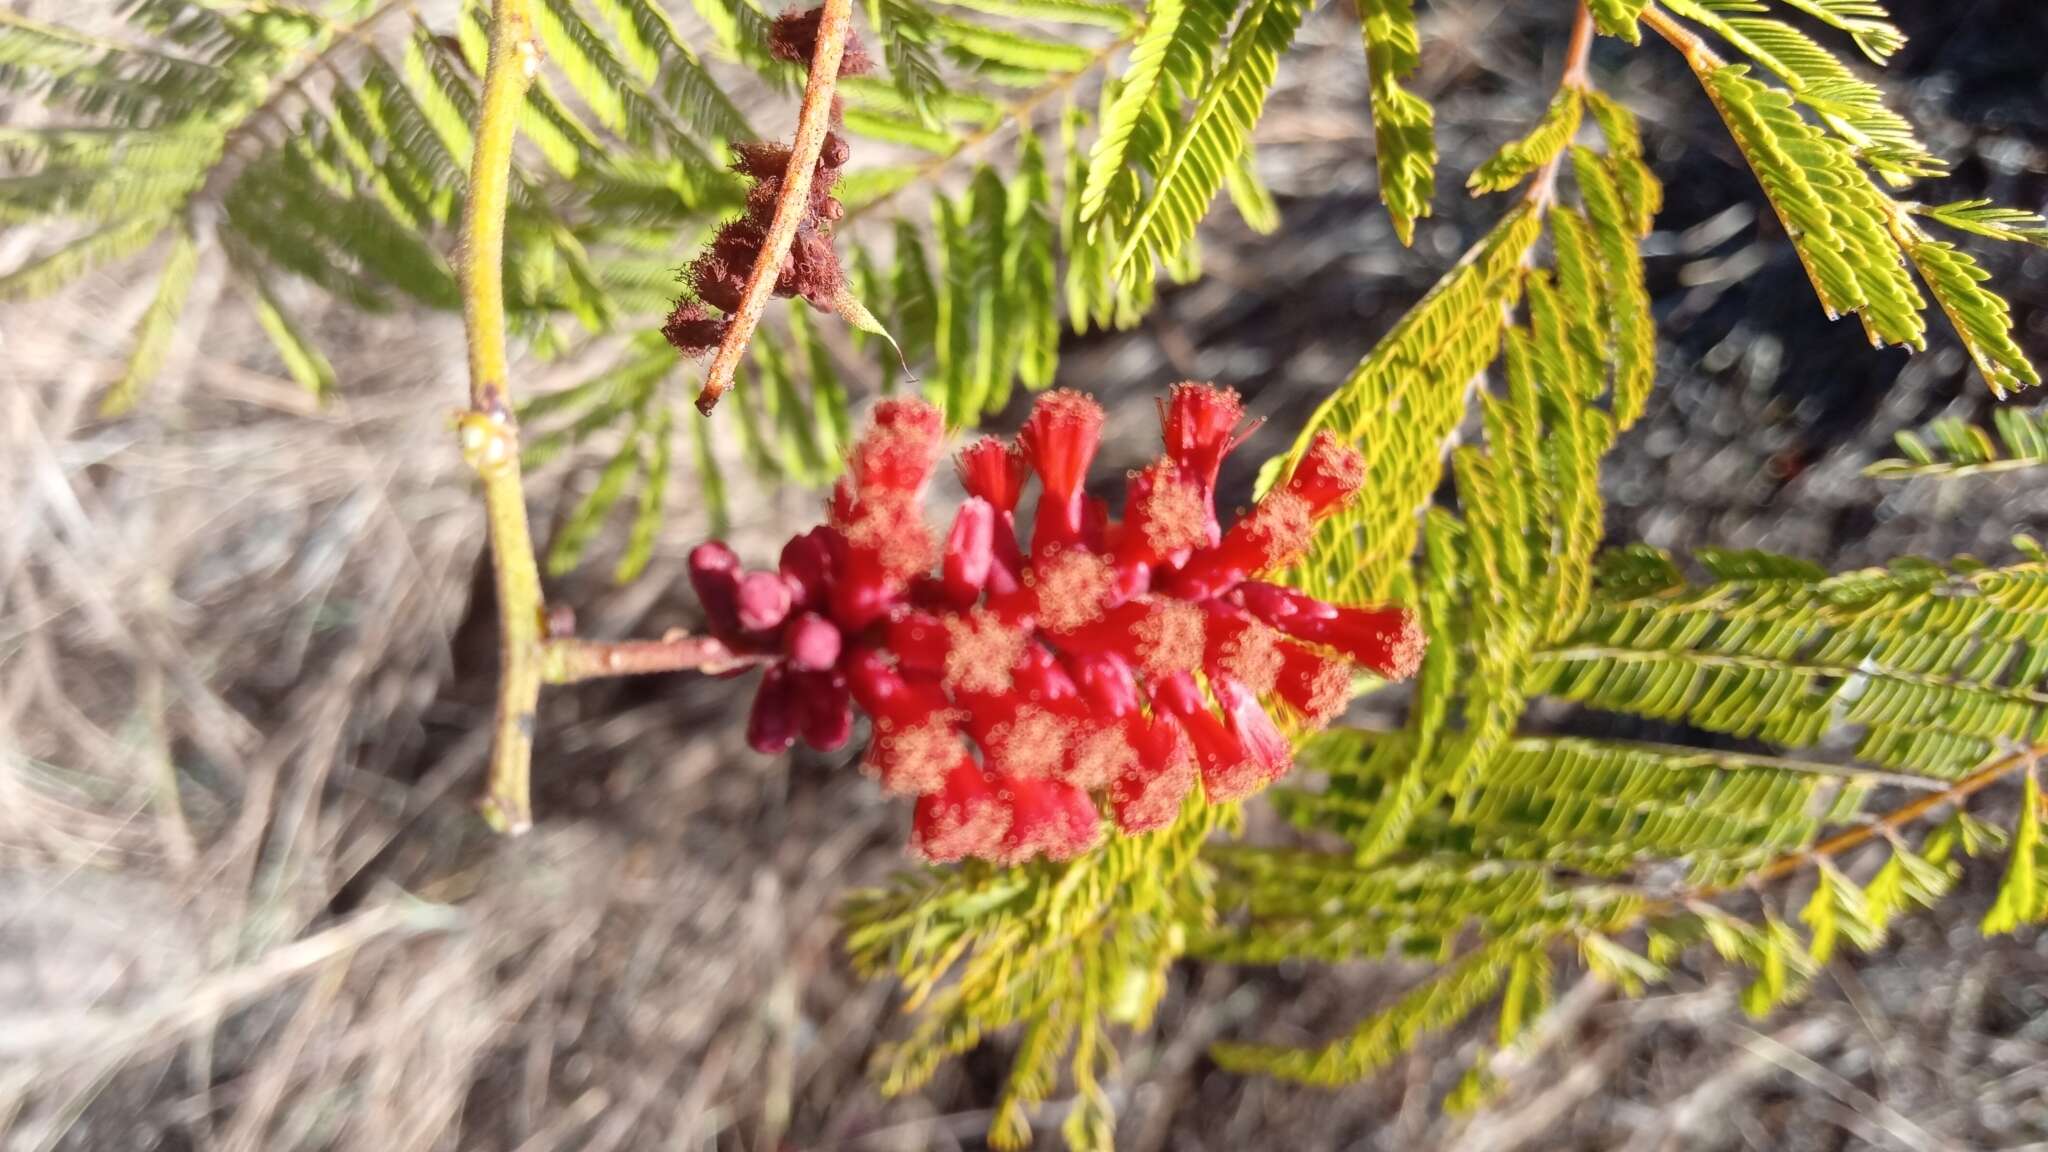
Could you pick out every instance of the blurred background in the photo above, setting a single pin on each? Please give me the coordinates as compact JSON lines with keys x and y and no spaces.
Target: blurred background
{"x":246,"y":658}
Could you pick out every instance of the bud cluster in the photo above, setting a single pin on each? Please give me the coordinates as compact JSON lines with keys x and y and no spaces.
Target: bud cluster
{"x":1020,"y":693}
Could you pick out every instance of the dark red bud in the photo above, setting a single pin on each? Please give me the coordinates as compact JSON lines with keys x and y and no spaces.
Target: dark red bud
{"x":827,"y":709}
{"x":772,"y":725}
{"x":812,"y":643}
{"x":764,"y":600}
{"x":714,"y":577}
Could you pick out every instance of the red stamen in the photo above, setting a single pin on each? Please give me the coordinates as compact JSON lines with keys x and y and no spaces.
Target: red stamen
{"x":1316,"y":686}
{"x":1230,"y":770}
{"x":1047,"y":818}
{"x":1387,"y":639}
{"x":970,"y":552}
{"x":1060,"y":438}
{"x":1241,"y":648}
{"x":1149,"y":796}
{"x":995,"y":471}
{"x":1330,"y":473}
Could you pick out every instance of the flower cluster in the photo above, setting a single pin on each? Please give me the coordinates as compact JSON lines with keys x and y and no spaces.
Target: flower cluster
{"x":718,"y":276}
{"x":1113,"y":663}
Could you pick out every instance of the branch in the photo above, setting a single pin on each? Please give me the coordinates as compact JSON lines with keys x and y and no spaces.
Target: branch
{"x":1682,"y":38}
{"x":1901,"y":817}
{"x":571,"y":661}
{"x":489,"y":437}
{"x":1578,"y":54}
{"x":813,"y":120}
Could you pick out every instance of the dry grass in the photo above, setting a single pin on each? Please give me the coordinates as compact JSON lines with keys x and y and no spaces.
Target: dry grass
{"x":245,"y":903}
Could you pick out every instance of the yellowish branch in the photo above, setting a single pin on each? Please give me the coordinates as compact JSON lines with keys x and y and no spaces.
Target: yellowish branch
{"x":489,"y":436}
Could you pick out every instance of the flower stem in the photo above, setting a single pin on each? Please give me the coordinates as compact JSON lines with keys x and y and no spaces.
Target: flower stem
{"x":813,"y":120}
{"x":570,"y":661}
{"x":489,"y":436}
{"x":1578,"y":55}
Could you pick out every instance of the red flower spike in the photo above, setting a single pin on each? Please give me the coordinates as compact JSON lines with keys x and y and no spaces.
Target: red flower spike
{"x":1044,"y":663}
{"x":1047,"y":818}
{"x":963,"y":818}
{"x":1387,"y":640}
{"x":1060,"y":438}
{"x":811,"y":643}
{"x":970,"y":552}
{"x":1149,"y":796}
{"x":772,"y":724}
{"x":1315,"y":686}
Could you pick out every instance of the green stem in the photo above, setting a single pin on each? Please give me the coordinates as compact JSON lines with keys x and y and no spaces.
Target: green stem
{"x":489,"y":436}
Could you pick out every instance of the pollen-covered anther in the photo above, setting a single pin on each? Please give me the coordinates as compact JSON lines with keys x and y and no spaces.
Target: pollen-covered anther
{"x":964,"y":818}
{"x":1073,"y":588}
{"x":982,"y":652}
{"x":1149,"y":795}
{"x":1330,"y":473}
{"x":1164,"y":511}
{"x":913,"y":761}
{"x":1316,"y":686}
{"x":1244,"y":650}
{"x":1104,"y":753}
{"x":889,"y":528}
{"x":1030,"y":745}
{"x":1170,"y":637}
{"x":1281,"y":527}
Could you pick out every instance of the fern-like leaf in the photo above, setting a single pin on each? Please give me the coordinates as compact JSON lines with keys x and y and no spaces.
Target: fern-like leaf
{"x":1403,"y":123}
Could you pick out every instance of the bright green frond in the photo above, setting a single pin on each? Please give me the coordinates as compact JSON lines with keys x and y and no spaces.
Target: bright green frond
{"x":1959,"y":448}
{"x":1403,"y":124}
